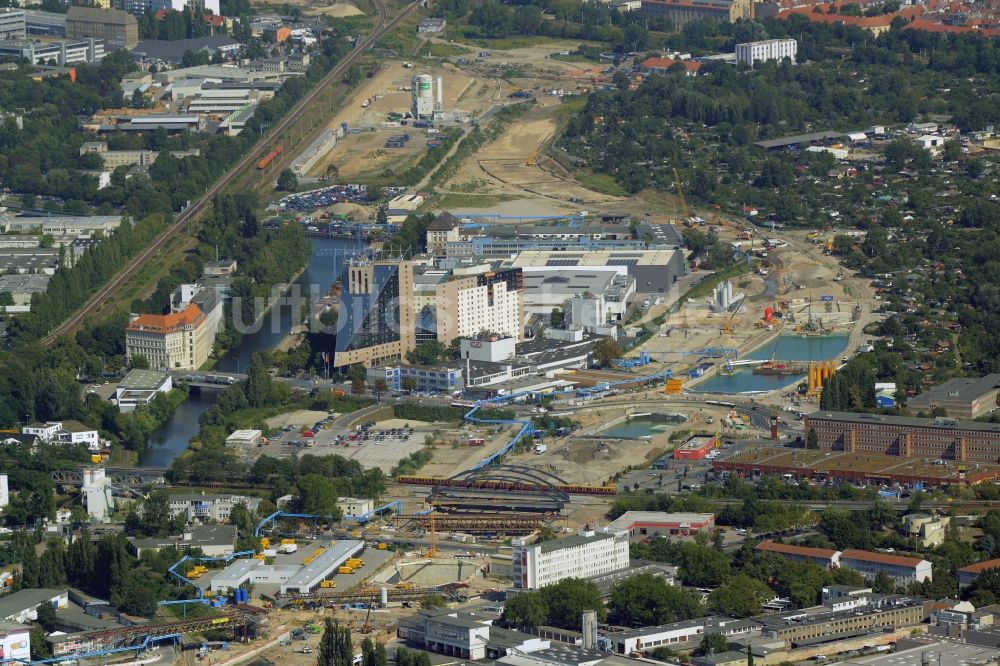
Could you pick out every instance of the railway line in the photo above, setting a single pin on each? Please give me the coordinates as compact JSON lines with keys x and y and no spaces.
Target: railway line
{"x":247,"y":162}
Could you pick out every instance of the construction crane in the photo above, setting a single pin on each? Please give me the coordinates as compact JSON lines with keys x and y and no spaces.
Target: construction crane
{"x":533,"y":157}
{"x":433,"y":552}
{"x":366,"y":628}
{"x":680,"y":195}
{"x":727,"y":327}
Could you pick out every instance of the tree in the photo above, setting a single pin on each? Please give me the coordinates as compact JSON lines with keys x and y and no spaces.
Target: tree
{"x":47,"y":617}
{"x":241,"y":517}
{"x":335,"y":647}
{"x":427,"y":353}
{"x":558,"y":318}
{"x":606,"y":351}
{"x":135,"y":595}
{"x":646,"y":599}
{"x":546,"y":533}
{"x":432,"y":601}
{"x":287,"y":181}
{"x":317,"y":495}
{"x":138,"y":362}
{"x":740,"y":597}
{"x":382,"y":214}
{"x":567,"y":600}
{"x":527,"y":609}
{"x":883,"y":584}
{"x":381,"y":386}
{"x":258,"y":386}
{"x":6,"y":298}
{"x":713,"y":643}
{"x":812,"y":439}
{"x":408,"y":384}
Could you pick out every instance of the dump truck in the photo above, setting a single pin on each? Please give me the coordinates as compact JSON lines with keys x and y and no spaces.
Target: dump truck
{"x":327,"y":584}
{"x":345,"y":570}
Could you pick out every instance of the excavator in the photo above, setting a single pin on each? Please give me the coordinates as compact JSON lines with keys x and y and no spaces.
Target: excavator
{"x":533,"y":157}
{"x":366,"y":628}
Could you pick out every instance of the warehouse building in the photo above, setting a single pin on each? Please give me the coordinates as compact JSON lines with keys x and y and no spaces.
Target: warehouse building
{"x":653,"y":270}
{"x":908,"y":437}
{"x":584,"y":555}
{"x":642,"y":523}
{"x":802,"y":627}
{"x":961,"y":397}
{"x":308,"y":578}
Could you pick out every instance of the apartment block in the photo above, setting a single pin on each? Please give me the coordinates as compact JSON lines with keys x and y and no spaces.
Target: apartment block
{"x":491,"y":300}
{"x":115,"y":27}
{"x":375,"y":324}
{"x":968,"y":575}
{"x":176,"y":341}
{"x":961,"y":397}
{"x":115,"y":158}
{"x":581,"y":556}
{"x":824,"y":557}
{"x":902,"y":570}
{"x":751,"y":53}
{"x":64,"y":432}
{"x":682,"y":12}
{"x":12,"y":24}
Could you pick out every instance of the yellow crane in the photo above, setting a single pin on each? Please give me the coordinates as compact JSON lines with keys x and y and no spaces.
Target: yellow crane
{"x":433,"y":552}
{"x":680,"y":195}
{"x":533,"y":157}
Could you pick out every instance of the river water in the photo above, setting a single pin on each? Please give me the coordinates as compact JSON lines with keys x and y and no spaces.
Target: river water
{"x":171,"y":439}
{"x":801,"y":348}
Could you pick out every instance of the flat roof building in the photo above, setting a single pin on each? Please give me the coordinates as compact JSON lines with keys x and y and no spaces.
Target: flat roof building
{"x":642,"y":523}
{"x":375,"y":323}
{"x":140,"y":387}
{"x":581,"y":556}
{"x":905,"y":436}
{"x":22,"y":606}
{"x":199,"y":506}
{"x":961,"y":397}
{"x":322,"y":567}
{"x":115,"y":27}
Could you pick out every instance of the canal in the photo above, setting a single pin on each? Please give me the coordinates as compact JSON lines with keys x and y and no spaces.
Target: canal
{"x":323,"y":269}
{"x":802,"y":348}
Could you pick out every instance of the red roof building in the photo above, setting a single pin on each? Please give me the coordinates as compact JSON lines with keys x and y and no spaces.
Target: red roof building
{"x":823,"y":557}
{"x":664,"y":65}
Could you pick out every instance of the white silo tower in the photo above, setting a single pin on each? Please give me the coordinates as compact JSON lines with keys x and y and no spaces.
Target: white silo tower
{"x":439,"y":90}
{"x":423,"y":96}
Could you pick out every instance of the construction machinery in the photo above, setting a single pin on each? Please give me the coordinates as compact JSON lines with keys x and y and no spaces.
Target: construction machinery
{"x":366,"y":628}
{"x":433,"y":552}
{"x":533,"y":157}
{"x":680,"y":196}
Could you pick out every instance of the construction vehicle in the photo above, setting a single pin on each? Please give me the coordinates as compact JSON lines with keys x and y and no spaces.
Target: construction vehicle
{"x":284,"y":542}
{"x":308,"y":560}
{"x":260,"y":556}
{"x":265,"y":543}
{"x":318,"y":552}
{"x":366,"y":628}
{"x":327,"y":584}
{"x":345,"y":570}
{"x":355,"y":562}
{"x":383,"y":546}
{"x":680,"y":195}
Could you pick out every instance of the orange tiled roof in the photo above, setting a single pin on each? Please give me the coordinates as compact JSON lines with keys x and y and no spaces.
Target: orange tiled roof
{"x":149,"y":323}
{"x":979,"y":567}
{"x":667,"y":63}
{"x":880,"y":558}
{"x":802,"y":551}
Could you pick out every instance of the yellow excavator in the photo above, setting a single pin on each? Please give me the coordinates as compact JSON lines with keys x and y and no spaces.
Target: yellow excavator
{"x":533,"y":157}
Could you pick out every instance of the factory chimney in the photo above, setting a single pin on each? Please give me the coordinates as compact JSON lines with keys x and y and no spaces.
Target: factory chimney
{"x":440,"y":94}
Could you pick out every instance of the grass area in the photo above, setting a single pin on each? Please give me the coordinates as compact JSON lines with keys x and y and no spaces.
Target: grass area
{"x":512,"y":42}
{"x":436,"y":50}
{"x":601,"y":182}
{"x":574,"y":58}
{"x":570,"y":106}
{"x":455,"y":200}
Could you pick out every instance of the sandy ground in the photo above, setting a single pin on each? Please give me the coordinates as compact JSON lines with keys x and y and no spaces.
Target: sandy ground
{"x":299,"y":418}
{"x":338,"y":10}
{"x":365,"y":153}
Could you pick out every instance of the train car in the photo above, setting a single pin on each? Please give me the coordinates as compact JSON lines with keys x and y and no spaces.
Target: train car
{"x":267,"y":159}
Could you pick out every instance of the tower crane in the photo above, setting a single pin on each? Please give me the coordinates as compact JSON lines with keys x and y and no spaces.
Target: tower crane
{"x":680,"y":195}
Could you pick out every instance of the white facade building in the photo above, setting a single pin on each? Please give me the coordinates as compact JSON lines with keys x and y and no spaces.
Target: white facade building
{"x":902,"y":570}
{"x":586,"y":554}
{"x":4,"y":491}
{"x":64,"y":432}
{"x":750,"y":53}
{"x":15,"y":641}
{"x":216,"y":507}
{"x":355,"y":506}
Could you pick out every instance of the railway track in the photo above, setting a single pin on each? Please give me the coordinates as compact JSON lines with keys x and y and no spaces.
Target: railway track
{"x":248,"y":161}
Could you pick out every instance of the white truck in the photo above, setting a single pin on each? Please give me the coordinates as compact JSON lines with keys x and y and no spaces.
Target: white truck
{"x":287,"y":548}
{"x":541,"y":448}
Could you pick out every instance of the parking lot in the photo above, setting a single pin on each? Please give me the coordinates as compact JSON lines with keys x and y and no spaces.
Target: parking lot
{"x":372,"y":446}
{"x":328,"y":196}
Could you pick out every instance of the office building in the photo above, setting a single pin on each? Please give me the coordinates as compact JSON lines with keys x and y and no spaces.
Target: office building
{"x":905,"y":436}
{"x":113,"y":159}
{"x":116,"y":28}
{"x":926,"y":530}
{"x":653,"y":270}
{"x":581,"y":556}
{"x":44,"y":24}
{"x":799,"y":628}
{"x":683,"y":635}
{"x":470,"y":636}
{"x":902,"y":570}
{"x":682,"y":12}
{"x":140,"y":387}
{"x":62,"y":225}
{"x":960,"y":398}
{"x":212,"y":540}
{"x":176,"y":341}
{"x":547,"y":289}
{"x":354,"y":507}
{"x":139,"y":7}
{"x":12,"y":24}
{"x":751,"y":53}
{"x":198,"y":506}
{"x":479,"y":299}
{"x":446,"y":228}
{"x":375,"y":322}
{"x":61,"y":52}
{"x":967,"y":575}
{"x":64,"y":432}
{"x":659,"y":523}
{"x":824,"y":557}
